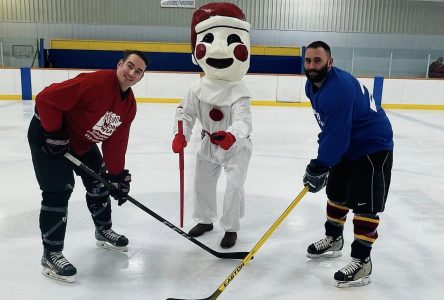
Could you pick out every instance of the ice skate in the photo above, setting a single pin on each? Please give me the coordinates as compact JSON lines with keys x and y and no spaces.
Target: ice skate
{"x":57,"y":267}
{"x":356,"y":273}
{"x":327,"y":247}
{"x":108,"y":239}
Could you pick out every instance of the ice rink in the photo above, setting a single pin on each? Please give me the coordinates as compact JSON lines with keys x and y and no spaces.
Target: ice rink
{"x":407,"y":257}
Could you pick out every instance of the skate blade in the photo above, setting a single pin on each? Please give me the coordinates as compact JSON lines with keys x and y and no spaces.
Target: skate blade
{"x":360,"y":282}
{"x":106,"y":245}
{"x":50,"y":274}
{"x":329,"y":254}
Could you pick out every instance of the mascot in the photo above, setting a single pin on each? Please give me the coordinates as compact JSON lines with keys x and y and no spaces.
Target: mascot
{"x":221,"y":102}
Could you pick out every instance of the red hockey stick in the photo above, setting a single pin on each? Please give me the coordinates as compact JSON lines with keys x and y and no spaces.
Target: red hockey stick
{"x":181,"y":170}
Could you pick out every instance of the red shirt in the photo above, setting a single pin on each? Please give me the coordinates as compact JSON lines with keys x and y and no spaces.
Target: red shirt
{"x":91,"y":109}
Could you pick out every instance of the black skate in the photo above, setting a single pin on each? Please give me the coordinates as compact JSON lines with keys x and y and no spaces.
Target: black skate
{"x":109,"y":239}
{"x":356,"y":273}
{"x":56,"y":266}
{"x":327,"y":247}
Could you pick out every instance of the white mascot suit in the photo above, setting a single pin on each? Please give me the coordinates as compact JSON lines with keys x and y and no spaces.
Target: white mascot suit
{"x":221,"y":102}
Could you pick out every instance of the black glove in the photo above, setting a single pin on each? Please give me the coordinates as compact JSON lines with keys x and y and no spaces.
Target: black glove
{"x":55,"y":144}
{"x":316,"y":176}
{"x":120,"y":186}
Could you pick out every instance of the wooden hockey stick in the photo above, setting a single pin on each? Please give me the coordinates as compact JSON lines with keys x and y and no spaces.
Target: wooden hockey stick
{"x":253,"y":251}
{"x":230,"y":255}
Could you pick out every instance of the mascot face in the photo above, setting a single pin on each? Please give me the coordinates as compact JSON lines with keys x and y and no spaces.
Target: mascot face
{"x":223,"y":52}
{"x":220,"y":41}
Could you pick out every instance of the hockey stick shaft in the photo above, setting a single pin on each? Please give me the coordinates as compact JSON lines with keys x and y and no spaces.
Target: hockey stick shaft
{"x":181,"y":171}
{"x":253,"y":251}
{"x":229,"y":255}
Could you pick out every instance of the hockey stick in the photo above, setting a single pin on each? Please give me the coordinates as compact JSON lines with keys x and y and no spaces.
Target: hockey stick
{"x":253,"y":251}
{"x":230,"y":255}
{"x":181,"y":170}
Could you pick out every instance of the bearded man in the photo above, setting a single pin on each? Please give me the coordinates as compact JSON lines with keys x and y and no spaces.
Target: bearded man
{"x":354,"y":161}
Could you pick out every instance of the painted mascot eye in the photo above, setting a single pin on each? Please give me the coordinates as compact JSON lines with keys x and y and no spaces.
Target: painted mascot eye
{"x":233,"y":38}
{"x":208,"y":38}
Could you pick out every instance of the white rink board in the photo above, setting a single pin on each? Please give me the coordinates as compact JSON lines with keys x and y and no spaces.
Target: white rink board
{"x":10,"y":82}
{"x":280,"y":88}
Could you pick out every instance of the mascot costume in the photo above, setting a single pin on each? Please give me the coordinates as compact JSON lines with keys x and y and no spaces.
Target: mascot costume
{"x":221,"y":102}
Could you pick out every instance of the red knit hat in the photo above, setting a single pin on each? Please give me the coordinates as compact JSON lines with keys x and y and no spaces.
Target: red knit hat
{"x":217,"y":14}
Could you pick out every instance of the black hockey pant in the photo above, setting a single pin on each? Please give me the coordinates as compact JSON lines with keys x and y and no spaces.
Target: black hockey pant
{"x":56,"y":180}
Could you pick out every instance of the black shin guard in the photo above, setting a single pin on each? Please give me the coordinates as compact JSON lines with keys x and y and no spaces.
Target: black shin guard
{"x":365,"y":229}
{"x":99,"y":204}
{"x":333,"y":229}
{"x":360,"y":250}
{"x":53,"y":219}
{"x":336,"y":216}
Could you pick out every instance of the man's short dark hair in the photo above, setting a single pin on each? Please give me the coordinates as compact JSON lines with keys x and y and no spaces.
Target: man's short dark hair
{"x":140,"y":54}
{"x":320,"y":44}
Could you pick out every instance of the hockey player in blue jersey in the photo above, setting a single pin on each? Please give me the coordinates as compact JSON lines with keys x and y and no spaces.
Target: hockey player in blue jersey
{"x":354,"y":161}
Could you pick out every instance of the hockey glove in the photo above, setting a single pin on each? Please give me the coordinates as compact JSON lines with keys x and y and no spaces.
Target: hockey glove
{"x":179,"y":143}
{"x":121,"y":186}
{"x":55,"y":144}
{"x":222,"y":138}
{"x":316,"y":176}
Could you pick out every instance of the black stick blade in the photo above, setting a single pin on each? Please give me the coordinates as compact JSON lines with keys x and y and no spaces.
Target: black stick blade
{"x":208,"y":298}
{"x":231,"y":255}
{"x":212,"y":297}
{"x":227,"y":255}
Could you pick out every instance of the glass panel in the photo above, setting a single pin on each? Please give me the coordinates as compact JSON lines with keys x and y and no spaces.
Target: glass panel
{"x":19,"y":52}
{"x":390,"y":63}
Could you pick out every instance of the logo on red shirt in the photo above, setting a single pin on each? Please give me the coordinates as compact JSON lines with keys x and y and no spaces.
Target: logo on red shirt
{"x":104,"y":128}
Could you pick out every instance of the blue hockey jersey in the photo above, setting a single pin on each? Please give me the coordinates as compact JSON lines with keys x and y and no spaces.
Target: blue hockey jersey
{"x":352,"y":125}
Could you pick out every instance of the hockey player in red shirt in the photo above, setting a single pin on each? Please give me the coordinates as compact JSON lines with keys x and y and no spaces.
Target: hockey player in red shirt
{"x":73,"y":116}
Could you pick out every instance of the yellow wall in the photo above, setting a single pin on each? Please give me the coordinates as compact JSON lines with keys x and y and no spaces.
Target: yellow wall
{"x":159,"y":47}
